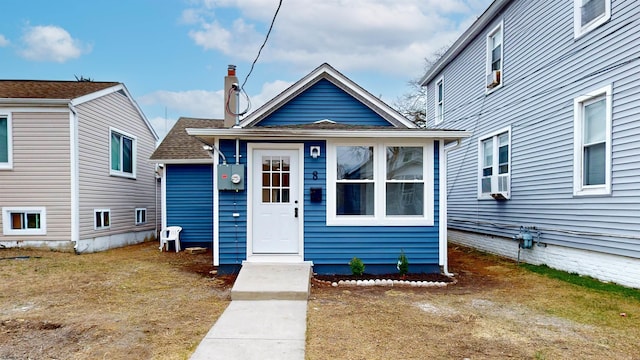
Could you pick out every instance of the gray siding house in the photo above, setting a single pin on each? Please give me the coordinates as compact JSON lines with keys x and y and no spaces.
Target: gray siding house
{"x":73,"y":169}
{"x":551,"y":92}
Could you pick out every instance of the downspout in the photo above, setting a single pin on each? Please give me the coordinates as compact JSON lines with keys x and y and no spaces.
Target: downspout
{"x":444,"y":242}
{"x":75,"y":178}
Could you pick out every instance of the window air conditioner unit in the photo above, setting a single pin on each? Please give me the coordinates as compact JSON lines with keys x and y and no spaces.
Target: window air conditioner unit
{"x":493,"y":79}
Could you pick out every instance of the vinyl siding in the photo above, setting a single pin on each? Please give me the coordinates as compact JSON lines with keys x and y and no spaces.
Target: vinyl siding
{"x":545,"y":69}
{"x":323,"y":101}
{"x":189,"y":195}
{"x":97,"y":188}
{"x":233,"y":231}
{"x":332,"y":247}
{"x":41,"y":172}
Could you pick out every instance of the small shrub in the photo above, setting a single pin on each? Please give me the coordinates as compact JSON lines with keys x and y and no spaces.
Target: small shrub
{"x":403,"y":264}
{"x":357,"y":266}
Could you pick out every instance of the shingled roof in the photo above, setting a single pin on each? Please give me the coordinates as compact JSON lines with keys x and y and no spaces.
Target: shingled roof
{"x":42,"y":89}
{"x":178,"y":145}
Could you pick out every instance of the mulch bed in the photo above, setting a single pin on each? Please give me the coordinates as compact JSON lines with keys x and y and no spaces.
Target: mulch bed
{"x":393,"y":276}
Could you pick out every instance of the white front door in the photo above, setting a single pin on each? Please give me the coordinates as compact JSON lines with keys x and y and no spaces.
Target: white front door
{"x":276,"y":202}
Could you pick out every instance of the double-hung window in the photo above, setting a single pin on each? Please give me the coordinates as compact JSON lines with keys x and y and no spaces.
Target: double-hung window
{"x":24,"y":221}
{"x":380,"y":183}
{"x":123,"y":154}
{"x":589,"y":14}
{"x":592,"y":143}
{"x":101,"y":219}
{"x":6,"y":153}
{"x":495,"y":165}
{"x":439,"y":105}
{"x":495,"y":57}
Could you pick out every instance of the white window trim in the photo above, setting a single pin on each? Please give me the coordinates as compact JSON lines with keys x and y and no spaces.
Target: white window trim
{"x":95,"y":224}
{"x":578,"y":29}
{"x":6,"y":220}
{"x":439,"y":118}
{"x":507,"y":194}
{"x":145,"y":216}
{"x":499,"y":27}
{"x":9,"y":164}
{"x":578,"y":188}
{"x":379,"y":167}
{"x":134,"y":151}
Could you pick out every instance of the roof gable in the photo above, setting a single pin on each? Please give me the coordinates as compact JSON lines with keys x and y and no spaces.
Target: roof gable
{"x":323,"y":102}
{"x":326,"y":94}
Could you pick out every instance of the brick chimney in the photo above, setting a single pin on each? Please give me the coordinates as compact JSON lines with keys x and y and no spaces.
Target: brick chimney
{"x":230,"y":107}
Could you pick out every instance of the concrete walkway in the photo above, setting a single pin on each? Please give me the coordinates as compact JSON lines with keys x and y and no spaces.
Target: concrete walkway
{"x":267,"y":317}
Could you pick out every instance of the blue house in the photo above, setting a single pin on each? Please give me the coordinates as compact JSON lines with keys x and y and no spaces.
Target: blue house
{"x":324,"y":172}
{"x":551,"y":93}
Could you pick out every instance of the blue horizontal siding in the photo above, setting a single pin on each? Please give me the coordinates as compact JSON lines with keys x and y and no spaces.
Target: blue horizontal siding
{"x":189,"y":201}
{"x":322,"y":101}
{"x":332,"y":247}
{"x":233,"y":230}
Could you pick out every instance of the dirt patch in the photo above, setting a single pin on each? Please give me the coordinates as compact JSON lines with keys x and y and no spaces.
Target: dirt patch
{"x":129,"y":303}
{"x":495,"y":310}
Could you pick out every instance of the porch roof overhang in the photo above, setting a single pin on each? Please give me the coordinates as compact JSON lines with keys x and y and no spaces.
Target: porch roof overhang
{"x":209,"y":135}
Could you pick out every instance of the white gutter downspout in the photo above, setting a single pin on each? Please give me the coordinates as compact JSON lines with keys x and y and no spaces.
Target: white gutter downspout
{"x":75,"y":178}
{"x":444,"y":242}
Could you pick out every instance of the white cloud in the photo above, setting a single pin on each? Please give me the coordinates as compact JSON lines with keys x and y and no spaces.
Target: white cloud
{"x":202,"y":103}
{"x":3,"y":41}
{"x":51,"y":43}
{"x":383,"y":35}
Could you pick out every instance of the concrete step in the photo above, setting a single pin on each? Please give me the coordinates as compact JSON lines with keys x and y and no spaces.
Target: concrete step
{"x":269,"y":281}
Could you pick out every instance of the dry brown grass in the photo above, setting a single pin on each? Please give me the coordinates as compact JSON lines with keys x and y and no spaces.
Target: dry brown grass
{"x":495,"y":311}
{"x":138,"y":303}
{"x":129,"y":303}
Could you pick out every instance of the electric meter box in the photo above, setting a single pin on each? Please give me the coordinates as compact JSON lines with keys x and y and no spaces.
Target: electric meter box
{"x":231,"y":177}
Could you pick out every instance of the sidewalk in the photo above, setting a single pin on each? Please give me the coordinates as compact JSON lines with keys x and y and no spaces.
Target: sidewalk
{"x":267,"y":317}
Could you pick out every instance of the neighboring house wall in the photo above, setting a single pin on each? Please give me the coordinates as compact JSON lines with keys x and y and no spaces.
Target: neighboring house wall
{"x":189,"y":199}
{"x":98,"y":189}
{"x":40,"y":177}
{"x":545,"y":70}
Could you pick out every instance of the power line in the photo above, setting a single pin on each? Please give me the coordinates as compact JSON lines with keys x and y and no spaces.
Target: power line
{"x":262,"y":46}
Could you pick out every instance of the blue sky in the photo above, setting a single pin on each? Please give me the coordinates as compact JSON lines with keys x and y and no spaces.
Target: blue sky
{"x":173,"y":54}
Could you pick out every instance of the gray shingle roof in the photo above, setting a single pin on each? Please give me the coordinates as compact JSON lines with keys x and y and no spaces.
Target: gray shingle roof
{"x":178,"y":145}
{"x":43,"y":89}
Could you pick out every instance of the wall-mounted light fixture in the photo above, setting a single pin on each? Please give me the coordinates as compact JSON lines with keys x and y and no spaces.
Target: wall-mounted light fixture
{"x":314,"y":152}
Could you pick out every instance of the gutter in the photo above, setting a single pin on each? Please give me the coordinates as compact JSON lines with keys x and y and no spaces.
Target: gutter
{"x":270,"y":133}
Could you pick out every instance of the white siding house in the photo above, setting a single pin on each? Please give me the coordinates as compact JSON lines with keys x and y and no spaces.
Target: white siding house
{"x":73,"y":169}
{"x":551,"y":92}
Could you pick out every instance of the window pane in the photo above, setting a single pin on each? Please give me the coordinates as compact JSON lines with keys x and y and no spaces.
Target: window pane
{"x":594,"y":164}
{"x":115,"y":151}
{"x":486,"y":185}
{"x":105,"y":218}
{"x":286,"y":163}
{"x":592,"y":9}
{"x":355,"y":162}
{"x":440,"y":92}
{"x":33,"y":221}
{"x":266,"y":180}
{"x":405,"y":199}
{"x":285,"y":195}
{"x":98,"y":219}
{"x":404,"y":163}
{"x":17,"y":220}
{"x":354,"y":199}
{"x":127,"y":155}
{"x":4,"y":140}
{"x":275,"y":179}
{"x":265,"y":195}
{"x":487,"y":152}
{"x":595,"y":122}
